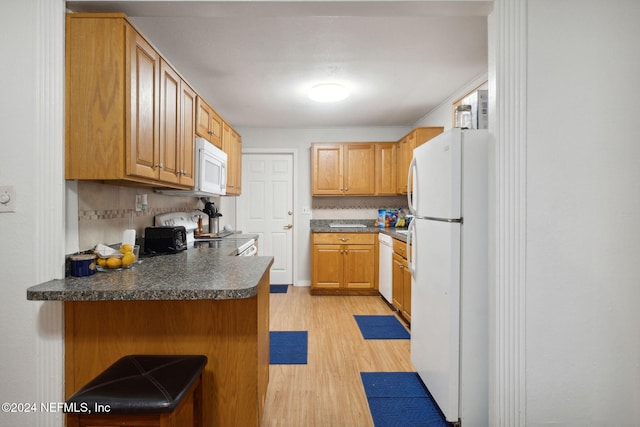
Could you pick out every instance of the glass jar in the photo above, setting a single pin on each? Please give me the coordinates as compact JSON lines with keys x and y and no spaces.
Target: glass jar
{"x":463,"y":116}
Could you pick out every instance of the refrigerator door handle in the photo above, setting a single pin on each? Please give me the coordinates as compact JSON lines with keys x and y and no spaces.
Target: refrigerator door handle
{"x":413,"y":171}
{"x":451,"y":220}
{"x":410,"y":257}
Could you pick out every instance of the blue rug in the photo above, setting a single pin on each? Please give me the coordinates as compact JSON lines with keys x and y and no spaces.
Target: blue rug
{"x":400,"y":399}
{"x":288,"y":347}
{"x":278,"y":289}
{"x":381,"y":328}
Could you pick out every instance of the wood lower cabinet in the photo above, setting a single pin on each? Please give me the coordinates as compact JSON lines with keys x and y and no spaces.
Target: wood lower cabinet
{"x":406,"y":145}
{"x":343,"y":169}
{"x":344,"y":264}
{"x":401,"y":279}
{"x":232,"y":145}
{"x":124,"y":107}
{"x":232,"y":333}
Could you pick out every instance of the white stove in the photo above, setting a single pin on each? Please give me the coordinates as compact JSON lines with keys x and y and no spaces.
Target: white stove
{"x":189,"y":220}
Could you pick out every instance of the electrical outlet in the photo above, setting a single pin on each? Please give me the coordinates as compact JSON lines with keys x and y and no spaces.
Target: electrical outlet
{"x":306,"y":210}
{"x":7,"y":198}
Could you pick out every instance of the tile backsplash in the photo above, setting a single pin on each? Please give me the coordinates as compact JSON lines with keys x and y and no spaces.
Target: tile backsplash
{"x":364,"y":207}
{"x":104,"y":211}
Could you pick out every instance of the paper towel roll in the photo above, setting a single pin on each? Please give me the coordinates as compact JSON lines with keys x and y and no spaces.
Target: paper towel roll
{"x":129,"y":236}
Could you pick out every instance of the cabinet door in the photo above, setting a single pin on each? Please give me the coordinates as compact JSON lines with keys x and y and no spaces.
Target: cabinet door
{"x":406,"y":294}
{"x":187,"y":134}
{"x":326,"y":169}
{"x":234,"y":173}
{"x":385,"y":168}
{"x":215,"y":127}
{"x":328,"y":266}
{"x":402,"y":166}
{"x":359,"y":272}
{"x":142,"y":146}
{"x":398,"y":282}
{"x":208,"y":123}
{"x":203,"y":117}
{"x":169,"y":141}
{"x":359,"y":161}
{"x":232,"y":145}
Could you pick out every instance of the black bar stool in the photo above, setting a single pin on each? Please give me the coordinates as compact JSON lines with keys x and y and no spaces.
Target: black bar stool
{"x":149,"y":390}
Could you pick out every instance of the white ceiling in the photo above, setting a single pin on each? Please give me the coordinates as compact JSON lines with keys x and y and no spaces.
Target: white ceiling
{"x":254,"y":61}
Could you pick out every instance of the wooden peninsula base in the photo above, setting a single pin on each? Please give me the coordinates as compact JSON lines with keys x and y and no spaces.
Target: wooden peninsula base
{"x":232,"y":333}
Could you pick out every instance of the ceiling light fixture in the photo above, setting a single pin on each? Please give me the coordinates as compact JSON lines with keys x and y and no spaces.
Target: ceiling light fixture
{"x":328,"y":92}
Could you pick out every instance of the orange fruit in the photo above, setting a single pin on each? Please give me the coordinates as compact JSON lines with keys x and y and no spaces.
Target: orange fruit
{"x":113,"y":262}
{"x":128,"y":259}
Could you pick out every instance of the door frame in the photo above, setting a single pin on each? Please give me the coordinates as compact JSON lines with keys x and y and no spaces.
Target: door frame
{"x":294,"y":153}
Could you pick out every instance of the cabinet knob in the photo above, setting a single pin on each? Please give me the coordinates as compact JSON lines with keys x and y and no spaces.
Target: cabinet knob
{"x":159,"y":165}
{"x":344,"y":239}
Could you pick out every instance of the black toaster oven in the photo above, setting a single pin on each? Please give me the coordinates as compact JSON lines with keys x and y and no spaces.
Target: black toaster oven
{"x":165,"y":239}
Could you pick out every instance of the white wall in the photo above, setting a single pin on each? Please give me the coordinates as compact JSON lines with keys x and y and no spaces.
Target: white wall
{"x":300,"y":140}
{"x":32,"y":242}
{"x":583,"y":202}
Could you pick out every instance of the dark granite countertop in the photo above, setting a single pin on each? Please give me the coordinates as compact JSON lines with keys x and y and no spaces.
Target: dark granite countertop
{"x":206,"y":271}
{"x":324,"y":226}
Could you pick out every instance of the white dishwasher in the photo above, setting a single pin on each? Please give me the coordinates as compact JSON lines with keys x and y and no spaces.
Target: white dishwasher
{"x":385,"y":267}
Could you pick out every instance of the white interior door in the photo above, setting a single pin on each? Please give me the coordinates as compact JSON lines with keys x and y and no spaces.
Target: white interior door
{"x":265,"y":207}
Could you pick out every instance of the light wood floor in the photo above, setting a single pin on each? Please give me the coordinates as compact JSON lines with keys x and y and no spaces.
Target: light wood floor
{"x":328,"y":390}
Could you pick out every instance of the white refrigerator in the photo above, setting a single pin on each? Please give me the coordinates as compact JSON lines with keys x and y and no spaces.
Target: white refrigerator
{"x":449,"y":265}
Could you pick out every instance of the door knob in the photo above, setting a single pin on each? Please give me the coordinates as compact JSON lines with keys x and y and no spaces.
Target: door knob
{"x":288,"y":226}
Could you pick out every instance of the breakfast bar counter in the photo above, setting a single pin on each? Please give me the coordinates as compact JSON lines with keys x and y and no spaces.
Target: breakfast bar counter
{"x":199,"y":301}
{"x":200,"y":273}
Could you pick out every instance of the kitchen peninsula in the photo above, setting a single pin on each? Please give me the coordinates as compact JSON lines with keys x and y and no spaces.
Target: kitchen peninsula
{"x":199,"y":301}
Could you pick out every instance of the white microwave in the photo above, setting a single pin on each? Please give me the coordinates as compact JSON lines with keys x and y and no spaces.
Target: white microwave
{"x":210,"y":168}
{"x":209,"y":172}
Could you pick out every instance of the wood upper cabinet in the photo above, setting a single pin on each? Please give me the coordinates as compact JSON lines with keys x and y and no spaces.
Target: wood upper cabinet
{"x":208,"y":123}
{"x":127,"y":115}
{"x":344,"y":264}
{"x":143,"y":146}
{"x":187,"y":134}
{"x":326,"y":169}
{"x":177,"y":128}
{"x":406,"y":145}
{"x":385,"y":168}
{"x":343,"y":169}
{"x":232,"y":145}
{"x":359,"y":169}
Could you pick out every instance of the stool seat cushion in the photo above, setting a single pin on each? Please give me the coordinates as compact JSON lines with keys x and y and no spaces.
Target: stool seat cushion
{"x":142,"y":384}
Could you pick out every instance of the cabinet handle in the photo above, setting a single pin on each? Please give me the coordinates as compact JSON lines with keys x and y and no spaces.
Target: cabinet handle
{"x":344,"y":239}
{"x":159,"y":165}
{"x":288,"y":226}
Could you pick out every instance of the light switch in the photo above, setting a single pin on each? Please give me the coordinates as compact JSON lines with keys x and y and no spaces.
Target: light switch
{"x":7,"y":198}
